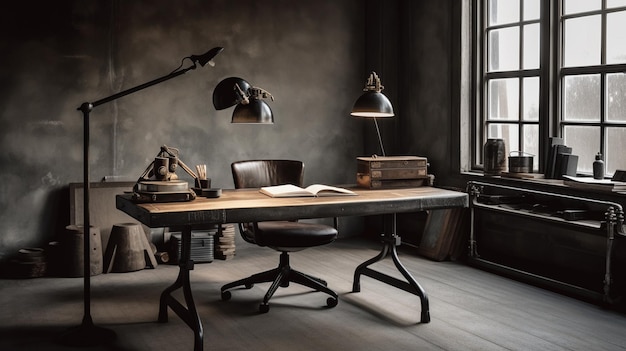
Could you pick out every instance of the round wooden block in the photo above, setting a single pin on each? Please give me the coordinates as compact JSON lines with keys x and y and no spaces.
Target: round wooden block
{"x":72,"y":245}
{"x":125,"y":249}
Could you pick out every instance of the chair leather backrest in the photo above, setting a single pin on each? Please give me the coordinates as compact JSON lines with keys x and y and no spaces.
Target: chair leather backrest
{"x":258,"y":173}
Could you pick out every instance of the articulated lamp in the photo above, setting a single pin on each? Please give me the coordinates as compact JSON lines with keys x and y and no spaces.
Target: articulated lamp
{"x":250,"y":108}
{"x":88,"y":334}
{"x":373,"y":104}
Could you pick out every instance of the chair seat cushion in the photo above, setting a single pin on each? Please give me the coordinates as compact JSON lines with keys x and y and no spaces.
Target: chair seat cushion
{"x":294,"y":234}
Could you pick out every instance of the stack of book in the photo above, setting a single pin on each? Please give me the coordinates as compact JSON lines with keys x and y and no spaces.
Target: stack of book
{"x":590,"y":183}
{"x":560,"y":161}
{"x":225,"y":243}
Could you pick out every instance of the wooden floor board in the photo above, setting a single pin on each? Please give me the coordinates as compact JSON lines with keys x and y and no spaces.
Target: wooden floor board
{"x":470,"y":309}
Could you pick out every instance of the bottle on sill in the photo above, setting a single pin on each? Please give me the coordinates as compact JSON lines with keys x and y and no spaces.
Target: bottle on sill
{"x":598,"y":167}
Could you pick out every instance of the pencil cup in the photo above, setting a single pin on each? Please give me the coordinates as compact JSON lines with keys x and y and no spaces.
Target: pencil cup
{"x":203,"y":183}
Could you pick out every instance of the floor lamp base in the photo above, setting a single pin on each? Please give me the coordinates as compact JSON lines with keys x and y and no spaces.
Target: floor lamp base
{"x":87,"y":334}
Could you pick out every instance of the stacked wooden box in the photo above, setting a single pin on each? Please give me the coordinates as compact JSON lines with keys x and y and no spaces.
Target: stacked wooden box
{"x":386,"y":172}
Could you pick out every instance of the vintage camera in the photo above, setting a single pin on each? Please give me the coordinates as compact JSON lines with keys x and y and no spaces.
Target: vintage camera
{"x":160,"y":183}
{"x":164,"y":168}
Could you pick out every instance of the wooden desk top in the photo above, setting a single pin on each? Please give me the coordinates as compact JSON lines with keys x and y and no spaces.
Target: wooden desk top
{"x":247,"y":205}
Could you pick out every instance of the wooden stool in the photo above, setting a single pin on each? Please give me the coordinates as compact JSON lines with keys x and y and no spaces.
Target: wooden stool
{"x":128,"y":249}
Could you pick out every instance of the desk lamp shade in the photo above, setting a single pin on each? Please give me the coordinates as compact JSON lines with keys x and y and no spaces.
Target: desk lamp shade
{"x":250,"y":106}
{"x":372,"y":103}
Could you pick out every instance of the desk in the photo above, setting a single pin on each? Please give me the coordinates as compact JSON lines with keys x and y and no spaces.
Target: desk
{"x":248,"y":205}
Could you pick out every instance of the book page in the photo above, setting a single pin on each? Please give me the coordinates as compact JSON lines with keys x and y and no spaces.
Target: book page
{"x":327,"y":190}
{"x":594,"y":184}
{"x":285,"y":190}
{"x":290,"y":190}
{"x":590,"y":180}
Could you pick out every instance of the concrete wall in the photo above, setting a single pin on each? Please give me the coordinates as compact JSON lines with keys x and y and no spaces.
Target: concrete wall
{"x":313,"y":56}
{"x":59,"y":54}
{"x":429,"y":77}
{"x":415,"y":47}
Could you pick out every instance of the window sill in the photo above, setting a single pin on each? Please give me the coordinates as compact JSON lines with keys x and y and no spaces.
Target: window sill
{"x":547,"y":185}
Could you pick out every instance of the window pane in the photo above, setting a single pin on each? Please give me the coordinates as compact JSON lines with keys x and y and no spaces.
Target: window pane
{"x":503,"y":11}
{"x":531,"y":143}
{"x":581,"y":98}
{"x":503,"y":99}
{"x":504,"y":49}
{"x":616,"y":37}
{"x":531,"y":9}
{"x":531,"y":46}
{"x":508,"y":132}
{"x":585,"y":142}
{"x":614,"y":157}
{"x":615,"y":3}
{"x":582,"y":41}
{"x":576,"y":6}
{"x":531,"y":99}
{"x":616,"y":97}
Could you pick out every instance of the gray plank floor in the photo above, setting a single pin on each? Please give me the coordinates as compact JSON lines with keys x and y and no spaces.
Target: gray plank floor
{"x":470,"y":309}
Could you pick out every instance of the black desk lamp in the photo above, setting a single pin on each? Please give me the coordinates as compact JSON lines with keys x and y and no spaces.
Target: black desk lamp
{"x":373,"y":104}
{"x":250,"y":108}
{"x":88,"y":334}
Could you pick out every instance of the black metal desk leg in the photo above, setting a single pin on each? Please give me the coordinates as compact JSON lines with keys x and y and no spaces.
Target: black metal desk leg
{"x":356,"y":285}
{"x":390,"y":241}
{"x":188,"y":314}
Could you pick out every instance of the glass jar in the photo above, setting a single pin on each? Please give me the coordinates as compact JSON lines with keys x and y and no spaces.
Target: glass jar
{"x":494,"y":156}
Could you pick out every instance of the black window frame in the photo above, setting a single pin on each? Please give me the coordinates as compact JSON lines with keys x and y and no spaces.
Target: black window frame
{"x":550,"y":73}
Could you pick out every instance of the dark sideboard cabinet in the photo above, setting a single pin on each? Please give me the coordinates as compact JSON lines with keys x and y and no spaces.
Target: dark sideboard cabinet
{"x":575,"y":245}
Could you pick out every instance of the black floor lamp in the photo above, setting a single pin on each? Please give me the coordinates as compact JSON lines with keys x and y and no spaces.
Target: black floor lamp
{"x":88,"y":334}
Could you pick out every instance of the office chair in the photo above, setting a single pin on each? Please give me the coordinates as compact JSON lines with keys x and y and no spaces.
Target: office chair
{"x":283,"y":236}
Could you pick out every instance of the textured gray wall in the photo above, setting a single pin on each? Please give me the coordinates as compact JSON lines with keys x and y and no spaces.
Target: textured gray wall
{"x":59,"y":54}
{"x":415,"y":47}
{"x":427,"y":102}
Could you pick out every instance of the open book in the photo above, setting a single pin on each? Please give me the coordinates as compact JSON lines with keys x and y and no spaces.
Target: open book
{"x":290,"y":190}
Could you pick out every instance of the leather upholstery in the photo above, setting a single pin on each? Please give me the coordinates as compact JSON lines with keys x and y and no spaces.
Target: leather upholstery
{"x":258,"y":173}
{"x":288,"y":236}
{"x":281,"y":235}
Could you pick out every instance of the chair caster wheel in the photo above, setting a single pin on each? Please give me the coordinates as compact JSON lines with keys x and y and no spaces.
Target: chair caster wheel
{"x":249,"y":285}
{"x":332,"y":302}
{"x":264,"y":308}
{"x":226,"y":295}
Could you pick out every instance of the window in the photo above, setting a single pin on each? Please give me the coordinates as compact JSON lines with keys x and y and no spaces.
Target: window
{"x":552,"y":68}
